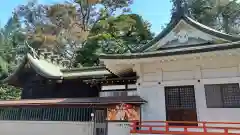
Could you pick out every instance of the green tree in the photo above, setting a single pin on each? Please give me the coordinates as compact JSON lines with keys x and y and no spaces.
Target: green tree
{"x":117,"y":34}
{"x":9,"y":92}
{"x":81,"y":29}
{"x":222,"y":15}
{"x":10,"y":46}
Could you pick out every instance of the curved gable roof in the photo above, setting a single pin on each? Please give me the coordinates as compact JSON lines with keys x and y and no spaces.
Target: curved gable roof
{"x":191,"y":22}
{"x":174,"y":51}
{"x":53,"y":67}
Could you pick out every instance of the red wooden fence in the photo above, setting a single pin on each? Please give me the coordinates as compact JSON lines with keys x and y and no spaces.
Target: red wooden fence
{"x":200,"y":128}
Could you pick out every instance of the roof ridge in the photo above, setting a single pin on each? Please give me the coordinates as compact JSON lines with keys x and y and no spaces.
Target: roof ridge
{"x":49,"y":56}
{"x":230,"y":36}
{"x":175,"y":20}
{"x":84,"y":68}
{"x":176,"y":51}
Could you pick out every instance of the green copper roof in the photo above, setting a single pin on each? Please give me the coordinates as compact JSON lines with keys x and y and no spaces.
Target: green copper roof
{"x":45,"y":68}
{"x":52,"y":67}
{"x":191,"y":22}
{"x":86,"y":72}
{"x":174,"y":51}
{"x":83,"y":69}
{"x":151,"y":49}
{"x":75,"y":101}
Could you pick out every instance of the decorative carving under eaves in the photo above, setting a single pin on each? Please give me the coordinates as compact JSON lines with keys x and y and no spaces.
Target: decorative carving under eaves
{"x":50,"y":56}
{"x":28,"y":66}
{"x":185,"y":34}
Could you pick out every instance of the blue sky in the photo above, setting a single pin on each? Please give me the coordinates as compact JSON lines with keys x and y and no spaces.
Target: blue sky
{"x":157,"y":12}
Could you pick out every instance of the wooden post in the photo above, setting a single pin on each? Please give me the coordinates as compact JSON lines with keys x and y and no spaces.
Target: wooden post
{"x":134,"y":127}
{"x":167,"y":126}
{"x":226,"y":131}
{"x":204,"y":127}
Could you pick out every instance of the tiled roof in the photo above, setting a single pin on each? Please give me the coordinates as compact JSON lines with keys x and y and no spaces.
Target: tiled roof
{"x":52,"y":66}
{"x":175,"y":51}
{"x":74,"y":101}
{"x":193,"y":23}
{"x":150,"y":49}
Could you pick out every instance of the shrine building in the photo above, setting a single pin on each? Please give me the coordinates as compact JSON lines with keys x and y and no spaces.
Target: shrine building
{"x":187,"y":76}
{"x":189,"y":72}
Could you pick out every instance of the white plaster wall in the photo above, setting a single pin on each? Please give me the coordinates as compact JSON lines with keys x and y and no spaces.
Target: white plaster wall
{"x":215,"y":114}
{"x":154,"y":108}
{"x":208,"y":71}
{"x":118,"y":128}
{"x":45,"y":128}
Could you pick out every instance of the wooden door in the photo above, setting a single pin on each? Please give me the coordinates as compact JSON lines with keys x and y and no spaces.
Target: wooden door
{"x":180,"y":104}
{"x":100,"y":123}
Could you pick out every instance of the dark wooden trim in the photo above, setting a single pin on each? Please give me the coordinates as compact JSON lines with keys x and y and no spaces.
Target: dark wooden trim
{"x":222,"y":100}
{"x":119,"y":90}
{"x":115,"y":79}
{"x":118,"y":83}
{"x":180,"y":111}
{"x":222,"y":96}
{"x":67,"y":105}
{"x":118,"y":121}
{"x":94,"y":105}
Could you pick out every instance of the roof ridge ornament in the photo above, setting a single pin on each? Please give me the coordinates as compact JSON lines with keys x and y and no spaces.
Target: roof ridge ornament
{"x":32,"y":50}
{"x":52,"y":57}
{"x":181,"y":9}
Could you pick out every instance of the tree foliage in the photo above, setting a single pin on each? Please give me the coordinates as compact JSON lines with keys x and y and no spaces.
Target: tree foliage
{"x":9,"y":92}
{"x":11,"y":44}
{"x":122,"y":34}
{"x":83,"y":28}
{"x":10,"y":48}
{"x":78,"y":30}
{"x":222,"y":15}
